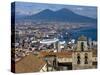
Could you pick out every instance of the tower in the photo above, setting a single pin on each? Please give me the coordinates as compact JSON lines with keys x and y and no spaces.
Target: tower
{"x":82,"y":57}
{"x":82,"y":44}
{"x":90,"y":43}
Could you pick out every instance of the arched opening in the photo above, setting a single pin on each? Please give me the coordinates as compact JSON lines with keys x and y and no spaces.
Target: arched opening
{"x":82,"y":46}
{"x":78,"y":59}
{"x":86,"y":58}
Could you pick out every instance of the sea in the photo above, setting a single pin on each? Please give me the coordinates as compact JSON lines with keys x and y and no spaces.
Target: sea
{"x":89,"y":32}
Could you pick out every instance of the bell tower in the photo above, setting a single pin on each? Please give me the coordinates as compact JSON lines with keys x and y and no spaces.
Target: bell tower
{"x":82,"y":56}
{"x":82,"y":44}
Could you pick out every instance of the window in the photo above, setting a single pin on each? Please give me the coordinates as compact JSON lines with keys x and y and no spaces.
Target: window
{"x":86,"y":58}
{"x":54,"y":62}
{"x":78,"y":58}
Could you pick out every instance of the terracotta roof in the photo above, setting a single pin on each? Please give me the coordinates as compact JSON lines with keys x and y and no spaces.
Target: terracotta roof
{"x":82,"y":38}
{"x":45,"y":53}
{"x":64,"y":54}
{"x":29,"y":63}
{"x":67,"y":54}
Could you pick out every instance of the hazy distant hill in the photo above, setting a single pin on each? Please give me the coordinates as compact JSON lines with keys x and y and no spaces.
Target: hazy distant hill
{"x":60,"y":15}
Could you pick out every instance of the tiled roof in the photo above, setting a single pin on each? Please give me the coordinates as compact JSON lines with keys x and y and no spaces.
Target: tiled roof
{"x":67,"y":54}
{"x":29,"y":63}
{"x":45,"y":53}
{"x":64,"y":54}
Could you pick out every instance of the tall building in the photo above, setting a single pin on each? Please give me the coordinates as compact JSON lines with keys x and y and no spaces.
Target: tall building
{"x":82,"y":56}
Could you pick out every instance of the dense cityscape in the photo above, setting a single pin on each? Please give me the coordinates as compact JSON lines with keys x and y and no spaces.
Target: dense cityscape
{"x":42,"y":41}
{"x":41,"y":46}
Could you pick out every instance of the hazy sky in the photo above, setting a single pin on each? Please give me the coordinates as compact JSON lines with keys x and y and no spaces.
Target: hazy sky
{"x":27,"y":8}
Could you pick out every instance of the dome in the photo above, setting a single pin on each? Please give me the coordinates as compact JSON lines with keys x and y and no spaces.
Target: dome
{"x":82,"y":38}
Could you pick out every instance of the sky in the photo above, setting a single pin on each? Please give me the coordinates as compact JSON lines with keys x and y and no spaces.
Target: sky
{"x":27,"y":8}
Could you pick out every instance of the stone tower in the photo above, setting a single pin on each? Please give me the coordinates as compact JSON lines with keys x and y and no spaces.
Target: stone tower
{"x":82,"y":44}
{"x":82,"y":57}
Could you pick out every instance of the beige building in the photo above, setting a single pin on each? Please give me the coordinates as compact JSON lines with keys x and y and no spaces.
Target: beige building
{"x":82,"y":56}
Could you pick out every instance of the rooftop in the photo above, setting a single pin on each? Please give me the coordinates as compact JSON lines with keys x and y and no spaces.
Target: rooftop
{"x":29,"y":63}
{"x":82,"y":38}
{"x":67,"y":54}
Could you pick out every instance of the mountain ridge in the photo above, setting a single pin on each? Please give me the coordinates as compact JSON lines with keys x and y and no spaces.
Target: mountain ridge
{"x":60,"y":15}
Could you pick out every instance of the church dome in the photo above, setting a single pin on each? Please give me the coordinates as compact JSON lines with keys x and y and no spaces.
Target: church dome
{"x":82,"y":38}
